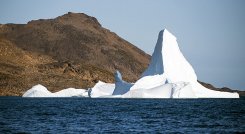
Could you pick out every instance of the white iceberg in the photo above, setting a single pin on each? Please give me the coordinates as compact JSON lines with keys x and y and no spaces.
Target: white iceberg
{"x":169,"y":75}
{"x":37,"y":91}
{"x":41,"y":91}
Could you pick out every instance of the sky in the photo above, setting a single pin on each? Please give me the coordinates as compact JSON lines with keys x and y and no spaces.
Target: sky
{"x":210,"y":33}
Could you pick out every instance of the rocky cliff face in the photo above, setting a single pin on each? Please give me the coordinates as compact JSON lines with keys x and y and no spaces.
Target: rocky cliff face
{"x":72,"y":50}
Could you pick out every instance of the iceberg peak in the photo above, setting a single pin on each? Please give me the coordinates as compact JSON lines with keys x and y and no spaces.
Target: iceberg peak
{"x":168,"y":59}
{"x":121,"y":86}
{"x":118,"y":76}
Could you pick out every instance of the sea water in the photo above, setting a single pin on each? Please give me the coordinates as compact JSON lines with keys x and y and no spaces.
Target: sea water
{"x":85,"y":115}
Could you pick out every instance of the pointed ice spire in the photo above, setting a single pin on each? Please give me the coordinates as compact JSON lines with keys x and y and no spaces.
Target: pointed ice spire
{"x":168,"y":59}
{"x":118,"y":76}
{"x":156,"y":63}
{"x":121,"y":87}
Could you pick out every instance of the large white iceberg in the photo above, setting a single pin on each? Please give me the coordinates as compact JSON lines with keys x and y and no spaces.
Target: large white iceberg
{"x":169,"y":75}
{"x":167,"y":59}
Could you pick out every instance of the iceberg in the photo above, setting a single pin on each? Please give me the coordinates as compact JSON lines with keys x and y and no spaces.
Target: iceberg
{"x":169,"y":75}
{"x":41,"y":91}
{"x":37,"y":91}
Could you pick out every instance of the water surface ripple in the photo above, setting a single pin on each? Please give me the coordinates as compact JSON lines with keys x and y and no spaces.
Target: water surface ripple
{"x":84,"y":115}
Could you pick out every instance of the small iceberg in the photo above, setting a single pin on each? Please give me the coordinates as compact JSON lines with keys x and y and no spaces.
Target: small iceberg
{"x":41,"y":91}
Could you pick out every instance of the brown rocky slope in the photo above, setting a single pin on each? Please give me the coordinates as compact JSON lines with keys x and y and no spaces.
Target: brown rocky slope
{"x":72,"y":50}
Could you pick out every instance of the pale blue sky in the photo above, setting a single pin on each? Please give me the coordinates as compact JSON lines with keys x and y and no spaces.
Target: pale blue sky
{"x":210,"y":33}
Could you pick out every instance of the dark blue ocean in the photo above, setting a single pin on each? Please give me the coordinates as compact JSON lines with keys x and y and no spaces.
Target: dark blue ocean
{"x":84,"y":115}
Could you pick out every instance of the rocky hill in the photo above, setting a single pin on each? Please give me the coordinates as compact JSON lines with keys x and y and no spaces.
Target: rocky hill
{"x":72,"y":50}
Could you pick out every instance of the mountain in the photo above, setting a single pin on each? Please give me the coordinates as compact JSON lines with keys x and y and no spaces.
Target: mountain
{"x":72,"y":50}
